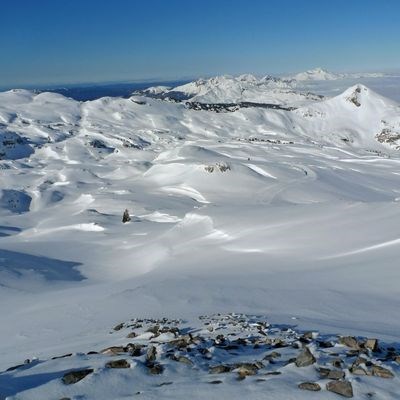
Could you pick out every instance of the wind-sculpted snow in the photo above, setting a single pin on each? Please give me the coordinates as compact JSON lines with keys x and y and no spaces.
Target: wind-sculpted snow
{"x":292,"y":212}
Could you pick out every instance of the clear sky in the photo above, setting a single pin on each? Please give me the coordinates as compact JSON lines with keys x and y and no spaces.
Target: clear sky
{"x":62,"y":41}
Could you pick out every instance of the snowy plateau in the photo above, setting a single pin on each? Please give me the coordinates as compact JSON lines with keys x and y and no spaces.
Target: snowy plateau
{"x":260,"y":259}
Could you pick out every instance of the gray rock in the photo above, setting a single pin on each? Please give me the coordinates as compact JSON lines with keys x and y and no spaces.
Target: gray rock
{"x":118,"y":327}
{"x":151,"y":354}
{"x":343,"y":388}
{"x":118,"y":364}
{"x":220,"y":369}
{"x":247,"y":369}
{"x":349,"y":341}
{"x":76,"y":376}
{"x":271,"y":356}
{"x":183,"y":360}
{"x":372,"y":344}
{"x":155,"y":369}
{"x":337,"y":362}
{"x":357,"y":370}
{"x":312,"y":386}
{"x":134,"y":349}
{"x":126,"y":217}
{"x":305,"y":358}
{"x":381,"y":372}
{"x":113,"y":350}
{"x":326,"y":373}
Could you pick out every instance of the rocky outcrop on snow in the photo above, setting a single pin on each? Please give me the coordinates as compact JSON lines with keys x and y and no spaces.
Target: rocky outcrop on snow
{"x":243,"y":351}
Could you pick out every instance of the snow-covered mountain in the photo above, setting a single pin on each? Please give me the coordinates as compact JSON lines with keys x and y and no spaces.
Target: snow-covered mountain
{"x":233,"y":89}
{"x":320,"y":74}
{"x":317,"y":74}
{"x":289,"y":212}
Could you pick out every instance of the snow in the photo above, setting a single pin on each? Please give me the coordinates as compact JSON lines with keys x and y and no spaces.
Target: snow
{"x":288,"y":214}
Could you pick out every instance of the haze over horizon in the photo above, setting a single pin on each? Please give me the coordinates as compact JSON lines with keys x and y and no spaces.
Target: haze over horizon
{"x":97,"y":41}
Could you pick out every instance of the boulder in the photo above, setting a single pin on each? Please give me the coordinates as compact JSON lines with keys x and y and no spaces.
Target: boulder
{"x":118,"y":364}
{"x":326,"y":373}
{"x":76,"y":376}
{"x":118,"y":327}
{"x":220,"y":369}
{"x":155,"y":369}
{"x":183,"y":360}
{"x":305,"y":358}
{"x":151,"y":354}
{"x":343,"y":388}
{"x":312,"y":386}
{"x":371,"y":344}
{"x":113,"y":350}
{"x":349,"y":341}
{"x":381,"y":372}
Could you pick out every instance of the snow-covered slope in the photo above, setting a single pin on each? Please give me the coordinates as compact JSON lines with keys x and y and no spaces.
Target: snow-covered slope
{"x":289,"y":214}
{"x":359,"y":114}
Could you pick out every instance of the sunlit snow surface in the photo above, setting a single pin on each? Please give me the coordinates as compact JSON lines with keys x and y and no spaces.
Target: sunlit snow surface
{"x":291,"y":214}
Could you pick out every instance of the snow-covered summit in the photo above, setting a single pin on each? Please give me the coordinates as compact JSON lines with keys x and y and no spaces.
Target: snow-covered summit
{"x":317,"y":74}
{"x":235,"y":89}
{"x":320,"y":74}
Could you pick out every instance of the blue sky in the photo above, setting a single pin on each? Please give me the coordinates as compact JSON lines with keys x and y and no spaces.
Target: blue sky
{"x":62,"y":41}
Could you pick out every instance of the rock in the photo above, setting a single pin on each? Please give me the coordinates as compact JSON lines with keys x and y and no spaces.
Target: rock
{"x":359,"y":361}
{"x":381,"y":372}
{"x":324,"y":344}
{"x":134,"y":349}
{"x":126,"y":217}
{"x":307,"y":335}
{"x":372,"y":344}
{"x":181,"y":342}
{"x":76,"y":376}
{"x":349,"y":341}
{"x":118,"y":364}
{"x":155,"y":369}
{"x":343,"y":388}
{"x":151,"y":354}
{"x":183,"y":360}
{"x":353,"y":353}
{"x":118,"y":327}
{"x":337,"y":362}
{"x":247,"y":369}
{"x":131,"y":335}
{"x":113,"y":350}
{"x":154,"y":329}
{"x":326,"y":373}
{"x":220,"y":369}
{"x":305,"y":358}
{"x":313,"y":386}
{"x":357,"y":370}
{"x":271,"y":356}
